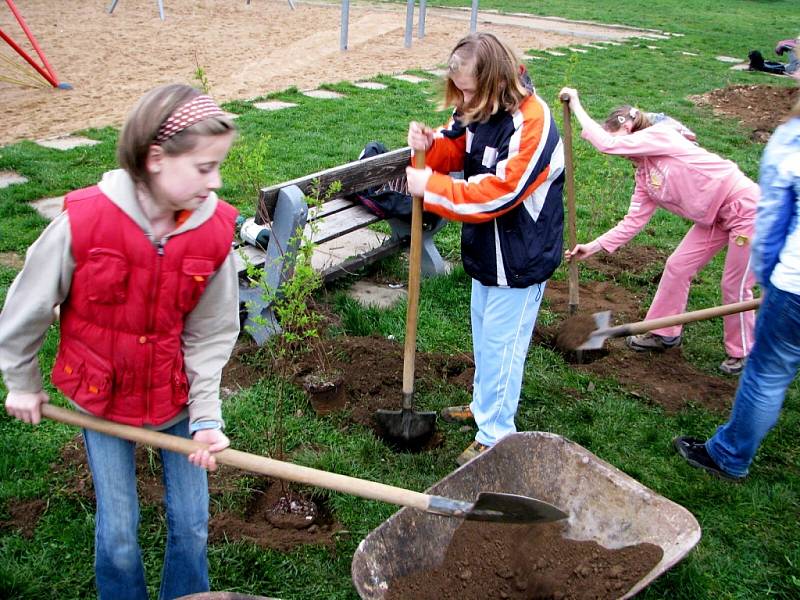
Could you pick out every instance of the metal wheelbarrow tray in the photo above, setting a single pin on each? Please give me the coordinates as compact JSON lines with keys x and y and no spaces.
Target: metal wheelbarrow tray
{"x":605,"y":506}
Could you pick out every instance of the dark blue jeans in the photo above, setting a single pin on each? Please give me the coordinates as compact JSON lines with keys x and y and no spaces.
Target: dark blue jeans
{"x":118,"y":559}
{"x":770,"y":368}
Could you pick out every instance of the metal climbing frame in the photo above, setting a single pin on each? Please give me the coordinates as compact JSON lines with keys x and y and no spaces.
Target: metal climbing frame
{"x":473,"y":21}
{"x":161,"y":6}
{"x":45,"y":69}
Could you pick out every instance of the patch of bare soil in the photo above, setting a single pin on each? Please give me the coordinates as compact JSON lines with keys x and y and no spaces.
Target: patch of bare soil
{"x":664,"y":379}
{"x":759,"y":108}
{"x":527,"y":562}
{"x":256,"y":522}
{"x":23,"y":516}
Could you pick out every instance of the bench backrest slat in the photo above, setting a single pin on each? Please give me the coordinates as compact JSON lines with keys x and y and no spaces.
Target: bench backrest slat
{"x":354,"y":176}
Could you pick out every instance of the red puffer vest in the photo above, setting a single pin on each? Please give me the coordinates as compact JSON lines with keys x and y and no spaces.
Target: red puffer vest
{"x":120,"y":353}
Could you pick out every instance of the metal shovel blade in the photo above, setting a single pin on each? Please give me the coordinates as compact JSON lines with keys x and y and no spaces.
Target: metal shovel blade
{"x":512,"y":508}
{"x":497,"y":507}
{"x":406,"y":429}
{"x":602,"y":321}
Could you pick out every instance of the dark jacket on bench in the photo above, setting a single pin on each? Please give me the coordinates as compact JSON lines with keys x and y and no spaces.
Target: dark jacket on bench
{"x":510,"y":199}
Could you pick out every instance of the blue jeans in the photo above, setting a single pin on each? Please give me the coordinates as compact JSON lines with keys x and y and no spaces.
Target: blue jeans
{"x":118,"y":559}
{"x":502,"y":326}
{"x":770,"y":368}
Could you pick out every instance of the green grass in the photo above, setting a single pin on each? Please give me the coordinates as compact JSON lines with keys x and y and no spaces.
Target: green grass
{"x":749,"y":548}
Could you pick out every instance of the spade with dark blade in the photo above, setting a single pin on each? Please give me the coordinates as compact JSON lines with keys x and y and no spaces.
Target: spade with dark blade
{"x":407,"y":429}
{"x":594,"y":339}
{"x":507,"y":508}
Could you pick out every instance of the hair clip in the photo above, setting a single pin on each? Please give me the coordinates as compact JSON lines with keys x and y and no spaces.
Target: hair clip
{"x":621,"y":119}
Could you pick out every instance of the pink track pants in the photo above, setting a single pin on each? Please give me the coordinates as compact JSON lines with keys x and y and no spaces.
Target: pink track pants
{"x":734,"y":227}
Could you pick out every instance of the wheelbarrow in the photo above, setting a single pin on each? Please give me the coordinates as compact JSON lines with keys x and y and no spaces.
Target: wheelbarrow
{"x":605,"y":506}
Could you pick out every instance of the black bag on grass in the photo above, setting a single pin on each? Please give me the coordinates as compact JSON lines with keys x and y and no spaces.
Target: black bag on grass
{"x":390,"y":200}
{"x":757,"y":63}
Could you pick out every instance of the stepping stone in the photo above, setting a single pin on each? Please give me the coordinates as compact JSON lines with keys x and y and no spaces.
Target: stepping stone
{"x":555,"y":53}
{"x":370,"y":85}
{"x":689,"y":53}
{"x":675,"y":34}
{"x":66,"y":142}
{"x":728,"y":59}
{"x":49,"y":208}
{"x":595,"y":47}
{"x":581,"y":50}
{"x":532,"y":57}
{"x":379,"y":295}
{"x":652,"y":47}
{"x":741,"y":67}
{"x":273,"y":105}
{"x":410,"y":78}
{"x":437,"y":72}
{"x":8,"y":178}
{"x":654,"y":36}
{"x":608,"y":42}
{"x":230,"y":115}
{"x":323,"y":94}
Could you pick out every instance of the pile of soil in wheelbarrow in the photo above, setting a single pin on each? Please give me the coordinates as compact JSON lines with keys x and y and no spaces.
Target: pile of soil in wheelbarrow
{"x":759,"y":108}
{"x":526,"y":562}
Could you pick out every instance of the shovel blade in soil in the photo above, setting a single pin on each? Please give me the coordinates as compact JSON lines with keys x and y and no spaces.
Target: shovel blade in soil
{"x":406,"y":429}
{"x":513,"y":508}
{"x":602,"y":321}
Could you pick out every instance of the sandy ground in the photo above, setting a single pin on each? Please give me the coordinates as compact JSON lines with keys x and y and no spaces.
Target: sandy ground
{"x":245,"y":50}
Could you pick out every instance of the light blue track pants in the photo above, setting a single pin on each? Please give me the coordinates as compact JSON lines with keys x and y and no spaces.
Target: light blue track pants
{"x":502,"y":326}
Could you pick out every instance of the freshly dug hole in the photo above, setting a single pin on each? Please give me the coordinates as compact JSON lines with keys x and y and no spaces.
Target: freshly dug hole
{"x":526,"y":562}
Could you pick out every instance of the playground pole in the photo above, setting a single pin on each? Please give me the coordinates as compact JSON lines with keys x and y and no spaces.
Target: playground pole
{"x":52,"y":78}
{"x":344,"y":26}
{"x":473,"y":19}
{"x":29,"y":60}
{"x":409,"y":22}
{"x":421,"y":24}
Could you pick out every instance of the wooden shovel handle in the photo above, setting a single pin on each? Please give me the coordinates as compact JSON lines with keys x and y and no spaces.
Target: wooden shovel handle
{"x":569,"y":174}
{"x":414,"y":269}
{"x":681,"y":319}
{"x":245,"y":461}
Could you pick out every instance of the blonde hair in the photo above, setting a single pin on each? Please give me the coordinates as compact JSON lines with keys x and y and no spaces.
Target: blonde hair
{"x":143,"y":122}
{"x":496,"y":69}
{"x":622,"y":114}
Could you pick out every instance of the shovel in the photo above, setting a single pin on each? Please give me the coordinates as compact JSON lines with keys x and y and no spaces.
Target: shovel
{"x":603,"y":331}
{"x":569,"y":171}
{"x":490,"y":506}
{"x":407,"y":429}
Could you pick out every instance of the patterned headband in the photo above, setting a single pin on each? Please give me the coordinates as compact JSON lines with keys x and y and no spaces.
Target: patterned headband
{"x":197,"y":109}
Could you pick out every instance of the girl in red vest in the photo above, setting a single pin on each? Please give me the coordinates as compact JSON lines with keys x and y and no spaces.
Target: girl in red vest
{"x":141,"y":267}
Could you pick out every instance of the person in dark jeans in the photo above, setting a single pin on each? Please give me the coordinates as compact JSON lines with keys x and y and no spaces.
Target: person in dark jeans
{"x":775,"y":358}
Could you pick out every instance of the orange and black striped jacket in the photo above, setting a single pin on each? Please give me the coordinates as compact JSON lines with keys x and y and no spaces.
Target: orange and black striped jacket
{"x":510,"y":198}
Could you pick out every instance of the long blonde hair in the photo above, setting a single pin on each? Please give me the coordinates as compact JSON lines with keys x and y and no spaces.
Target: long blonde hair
{"x":496,"y":69}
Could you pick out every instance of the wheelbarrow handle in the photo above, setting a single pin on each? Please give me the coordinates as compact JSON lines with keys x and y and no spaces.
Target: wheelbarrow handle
{"x":681,"y":319}
{"x":246,"y":461}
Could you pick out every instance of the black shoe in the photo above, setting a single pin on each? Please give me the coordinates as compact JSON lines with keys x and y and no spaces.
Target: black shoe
{"x":694,"y":451}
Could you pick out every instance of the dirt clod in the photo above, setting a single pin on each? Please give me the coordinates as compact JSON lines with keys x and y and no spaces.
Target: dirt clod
{"x":574,"y":331}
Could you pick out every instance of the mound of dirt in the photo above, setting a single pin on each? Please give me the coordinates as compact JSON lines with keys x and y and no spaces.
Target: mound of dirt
{"x":760,"y":108}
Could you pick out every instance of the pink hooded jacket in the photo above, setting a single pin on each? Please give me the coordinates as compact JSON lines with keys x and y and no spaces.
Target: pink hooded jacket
{"x":672,"y":171}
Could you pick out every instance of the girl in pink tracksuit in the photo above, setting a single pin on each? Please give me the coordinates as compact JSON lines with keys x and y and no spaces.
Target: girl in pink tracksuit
{"x":673,"y":172}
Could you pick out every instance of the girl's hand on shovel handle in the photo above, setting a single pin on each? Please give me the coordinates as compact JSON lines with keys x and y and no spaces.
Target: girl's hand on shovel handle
{"x":420,"y":136}
{"x":215,"y":440}
{"x":417,"y":180}
{"x":26,"y":406}
{"x":582,"y":251}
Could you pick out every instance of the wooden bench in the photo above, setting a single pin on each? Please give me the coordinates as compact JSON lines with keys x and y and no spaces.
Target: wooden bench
{"x":284,"y":210}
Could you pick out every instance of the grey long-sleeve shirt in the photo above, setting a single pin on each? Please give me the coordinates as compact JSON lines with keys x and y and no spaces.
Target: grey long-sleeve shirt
{"x":210,"y":330}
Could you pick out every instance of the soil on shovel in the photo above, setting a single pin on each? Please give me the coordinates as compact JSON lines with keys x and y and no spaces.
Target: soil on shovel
{"x":664,"y":379}
{"x":526,"y":562}
{"x":759,"y":108}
